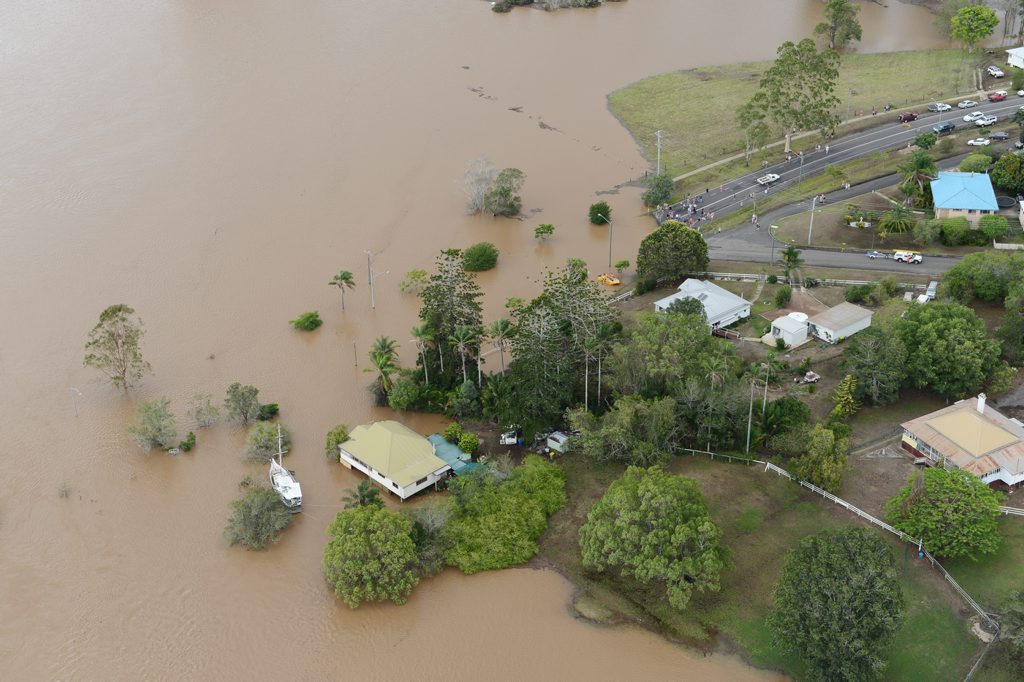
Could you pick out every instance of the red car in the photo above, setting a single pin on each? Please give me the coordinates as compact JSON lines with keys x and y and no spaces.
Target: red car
{"x":997,"y":96}
{"x":907,"y":117}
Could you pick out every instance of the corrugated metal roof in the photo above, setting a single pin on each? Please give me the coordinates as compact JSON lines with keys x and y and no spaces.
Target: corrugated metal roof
{"x":964,"y":191}
{"x":840,"y":316}
{"x":941,"y":434}
{"x":718,"y":303}
{"x":395,"y":451}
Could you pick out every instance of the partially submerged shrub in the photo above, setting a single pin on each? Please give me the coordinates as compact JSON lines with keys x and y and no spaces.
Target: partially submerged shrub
{"x":307,"y":321}
{"x":261,"y":443}
{"x":257,"y":518}
{"x":480,"y":257}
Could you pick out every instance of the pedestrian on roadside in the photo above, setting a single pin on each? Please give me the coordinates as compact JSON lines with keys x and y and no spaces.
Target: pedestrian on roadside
{"x":817,"y":148}
{"x":758,"y":226}
{"x":826,"y":149}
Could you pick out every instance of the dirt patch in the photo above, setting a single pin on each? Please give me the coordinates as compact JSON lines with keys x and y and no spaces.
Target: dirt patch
{"x":876,"y":475}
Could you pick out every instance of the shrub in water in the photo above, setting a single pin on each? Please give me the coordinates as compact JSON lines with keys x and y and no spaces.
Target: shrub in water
{"x":480,"y":257}
{"x":600,"y":213}
{"x":188,"y":443}
{"x":307,"y":321}
{"x":268,"y":412}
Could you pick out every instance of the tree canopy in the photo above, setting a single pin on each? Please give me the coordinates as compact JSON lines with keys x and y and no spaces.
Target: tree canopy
{"x":257,"y":518}
{"x":841,"y":25}
{"x":654,"y":526}
{"x":987,"y":276}
{"x":876,"y":359}
{"x":824,"y":459}
{"x":951,"y":510}
{"x":671,"y":251}
{"x":155,"y":425}
{"x":839,"y":604}
{"x":972,"y":24}
{"x":1008,"y":173}
{"x":450,"y":300}
{"x":797,"y":90}
{"x":659,"y":189}
{"x":948,"y":349}
{"x":635,"y":431}
{"x":113,"y":347}
{"x":371,"y":556}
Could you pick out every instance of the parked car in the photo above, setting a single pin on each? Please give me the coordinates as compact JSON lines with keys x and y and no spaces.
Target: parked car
{"x":767,"y":179}
{"x":1020,"y":93}
{"x":933,"y":287}
{"x":939,"y":106}
{"x":979,"y":142}
{"x":985,"y":121}
{"x":875,"y":254}
{"x":912,"y":257}
{"x":995,"y":71}
{"x":998,"y":96}
{"x":974,"y":116}
{"x":907,"y":117}
{"x":1018,"y":144}
{"x":809,"y":378}
{"x":511,"y":436}
{"x":609,"y":279}
{"x":967,"y":104}
{"x":999,"y":135}
{"x":944,"y":128}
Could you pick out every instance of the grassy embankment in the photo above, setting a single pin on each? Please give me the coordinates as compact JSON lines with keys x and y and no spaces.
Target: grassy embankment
{"x":696,"y":108}
{"x":762,"y":516}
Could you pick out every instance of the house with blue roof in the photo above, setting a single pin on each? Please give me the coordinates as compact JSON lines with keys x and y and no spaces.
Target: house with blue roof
{"x":963,"y":195}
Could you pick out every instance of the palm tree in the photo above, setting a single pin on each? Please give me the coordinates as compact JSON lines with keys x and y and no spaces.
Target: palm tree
{"x":341,"y":280}
{"x":917,"y":170}
{"x":791,"y":259}
{"x":897,"y":219}
{"x":423,"y":334}
{"x":383,"y":354}
{"x":365,"y":494}
{"x":716,"y":368}
{"x":464,"y":338}
{"x":501,"y":331}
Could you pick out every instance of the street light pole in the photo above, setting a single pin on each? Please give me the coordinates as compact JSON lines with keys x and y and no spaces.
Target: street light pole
{"x":750,"y":413}
{"x":810,"y":230}
{"x":372,"y":275}
{"x":771,"y":236}
{"x":75,"y":394}
{"x":658,"y":134}
{"x":764,"y":401}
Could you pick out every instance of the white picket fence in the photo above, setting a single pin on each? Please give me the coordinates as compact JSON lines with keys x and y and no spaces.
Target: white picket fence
{"x":985,"y":615}
{"x":1012,"y":510}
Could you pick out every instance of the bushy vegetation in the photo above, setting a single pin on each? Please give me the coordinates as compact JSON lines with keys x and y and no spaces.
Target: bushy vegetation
{"x":261,"y":444}
{"x":307,"y":321}
{"x":659,"y":189}
{"x":671,"y":252}
{"x":335,"y":437}
{"x":600,"y":213}
{"x":242,"y":403}
{"x":155,"y":425}
{"x":257,"y":518}
{"x":479,"y":257}
{"x":783,"y":296}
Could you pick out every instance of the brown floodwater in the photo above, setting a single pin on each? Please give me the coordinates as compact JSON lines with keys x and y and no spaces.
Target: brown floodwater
{"x":212,"y":165}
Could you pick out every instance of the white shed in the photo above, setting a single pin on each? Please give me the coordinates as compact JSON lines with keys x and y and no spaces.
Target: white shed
{"x":790,"y":328}
{"x":1015,"y":57}
{"x":840,"y":322}
{"x":721,"y":307}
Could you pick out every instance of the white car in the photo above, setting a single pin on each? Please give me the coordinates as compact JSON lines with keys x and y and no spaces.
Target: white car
{"x":979,"y":142}
{"x":967,"y":104}
{"x":986,"y":121}
{"x":767,"y":179}
{"x":1020,"y":93}
{"x":974,"y":116}
{"x":940,"y":106}
{"x":995,"y":71}
{"x":912,"y":257}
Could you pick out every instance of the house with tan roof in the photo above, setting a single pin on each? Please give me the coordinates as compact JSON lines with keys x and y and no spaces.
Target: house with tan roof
{"x":395,"y":456}
{"x":971,"y":436}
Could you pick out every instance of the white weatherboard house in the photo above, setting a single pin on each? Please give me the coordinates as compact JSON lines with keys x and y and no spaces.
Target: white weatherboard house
{"x":970,"y":436}
{"x":840,"y":322}
{"x":1015,"y":57}
{"x":398,"y":458}
{"x":721,"y":307}
{"x":790,"y":328}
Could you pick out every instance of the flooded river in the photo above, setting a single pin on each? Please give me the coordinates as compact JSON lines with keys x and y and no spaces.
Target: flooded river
{"x":212,"y":165}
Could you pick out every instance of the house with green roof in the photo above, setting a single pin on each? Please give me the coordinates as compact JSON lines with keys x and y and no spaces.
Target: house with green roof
{"x":394,"y":456}
{"x":963,"y":195}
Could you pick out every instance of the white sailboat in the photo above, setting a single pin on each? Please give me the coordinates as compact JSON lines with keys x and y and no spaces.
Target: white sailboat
{"x":283,"y":480}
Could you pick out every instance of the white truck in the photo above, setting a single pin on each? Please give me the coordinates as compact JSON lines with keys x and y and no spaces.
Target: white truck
{"x":766,"y":180}
{"x":557,"y":442}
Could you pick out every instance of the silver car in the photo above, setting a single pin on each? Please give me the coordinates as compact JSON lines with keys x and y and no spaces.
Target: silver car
{"x":967,"y":104}
{"x":939,"y":106}
{"x":974,"y":116}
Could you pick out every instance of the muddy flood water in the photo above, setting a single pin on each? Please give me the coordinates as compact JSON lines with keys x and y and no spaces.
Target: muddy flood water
{"x":212,"y":165}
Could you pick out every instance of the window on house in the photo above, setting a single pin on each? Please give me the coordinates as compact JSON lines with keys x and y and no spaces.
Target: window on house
{"x":422,"y":480}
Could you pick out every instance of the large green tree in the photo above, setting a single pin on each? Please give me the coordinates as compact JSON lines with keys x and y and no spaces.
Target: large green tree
{"x":155,"y":426}
{"x":1011,"y":327}
{"x":1007,"y":173}
{"x":1013,"y":621}
{"x":988,"y":276}
{"x":450,"y":300}
{"x":113,"y":347}
{"x":257,"y":518}
{"x":823,"y":461}
{"x":659,"y":189}
{"x":841,"y":25}
{"x":503,"y":196}
{"x":972,"y":24}
{"x":876,"y":359}
{"x":671,"y":252}
{"x":635,"y":431}
{"x":948,"y":349}
{"x":951,"y":510}
{"x":755,"y":131}
{"x":838,"y":605}
{"x":797,"y":90}
{"x":371,"y":556}
{"x":654,"y":526}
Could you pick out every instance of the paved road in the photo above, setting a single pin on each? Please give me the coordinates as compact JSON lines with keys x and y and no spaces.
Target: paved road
{"x":742,"y":193}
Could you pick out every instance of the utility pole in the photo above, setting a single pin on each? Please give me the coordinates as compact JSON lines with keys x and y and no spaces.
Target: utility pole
{"x":75,"y":394}
{"x":608,"y":221}
{"x":658,"y":134}
{"x":372,"y":276}
{"x":771,"y":236}
{"x":750,"y":413}
{"x":764,"y":402}
{"x":810,"y":230}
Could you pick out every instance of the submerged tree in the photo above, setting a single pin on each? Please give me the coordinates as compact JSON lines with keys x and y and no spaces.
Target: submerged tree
{"x":450,"y":300}
{"x":503,"y":196}
{"x":257,"y":518}
{"x":366,"y":494}
{"x":113,"y":347}
{"x":476,"y":182}
{"x":155,"y":426}
{"x":841,"y":25}
{"x":343,"y":280}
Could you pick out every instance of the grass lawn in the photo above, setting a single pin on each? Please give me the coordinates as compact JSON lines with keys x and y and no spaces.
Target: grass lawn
{"x":762,"y":517}
{"x":678,"y":102}
{"x":990,"y":580}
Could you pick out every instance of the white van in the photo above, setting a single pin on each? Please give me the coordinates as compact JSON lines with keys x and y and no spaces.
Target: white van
{"x":912,"y":257}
